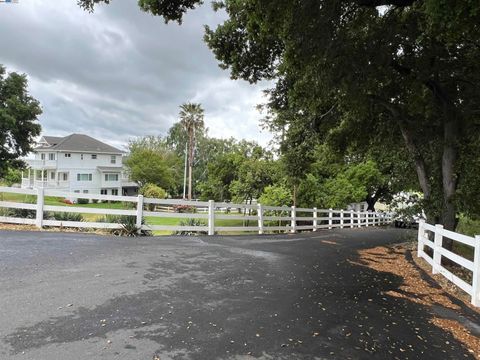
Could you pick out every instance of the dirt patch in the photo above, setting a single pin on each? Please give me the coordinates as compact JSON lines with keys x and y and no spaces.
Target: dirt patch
{"x":415,"y":288}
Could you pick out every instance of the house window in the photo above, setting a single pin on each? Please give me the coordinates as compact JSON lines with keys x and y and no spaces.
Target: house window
{"x":52,"y":175}
{"x":42,"y":156}
{"x":81,"y":156}
{"x":113,"y":159}
{"x":103,"y":192}
{"x":115,"y":192}
{"x":68,"y":155}
{"x":65,"y":176}
{"x":84,"y":177}
{"x":51,"y":156}
{"x":85,"y":191}
{"x":111,"y":177}
{"x":77,"y":191}
{"x":94,"y":156}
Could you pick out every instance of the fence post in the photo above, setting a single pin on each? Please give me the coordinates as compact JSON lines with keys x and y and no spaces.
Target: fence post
{"x":330,"y":218}
{"x":359,"y":220}
{"x":367,"y":218}
{"x":476,"y":273}
{"x":260,"y":218}
{"x":341,"y":219}
{"x":315,"y":221}
{"x":40,"y":203}
{"x":437,"y":256}
{"x":139,"y":213}
{"x":421,"y":235}
{"x":211,"y":217}
{"x":352,"y":218}
{"x":294,"y":220}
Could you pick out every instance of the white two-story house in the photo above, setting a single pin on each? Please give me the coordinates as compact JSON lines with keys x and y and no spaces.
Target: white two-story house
{"x":76,"y":163}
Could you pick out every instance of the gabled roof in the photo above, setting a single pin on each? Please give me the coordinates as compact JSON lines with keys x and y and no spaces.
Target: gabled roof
{"x":77,"y":143}
{"x":52,"y":140}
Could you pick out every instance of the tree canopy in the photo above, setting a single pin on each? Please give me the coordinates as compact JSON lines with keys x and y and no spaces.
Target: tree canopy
{"x":364,"y":77}
{"x":18,"y":120}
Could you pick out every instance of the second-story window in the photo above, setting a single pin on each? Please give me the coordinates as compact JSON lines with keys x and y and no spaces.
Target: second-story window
{"x":68,"y":155}
{"x":94,"y":156}
{"x":111,"y":177}
{"x":113,"y":159}
{"x":51,"y":156}
{"x":84,"y":177}
{"x":81,"y":156}
{"x":42,"y":156}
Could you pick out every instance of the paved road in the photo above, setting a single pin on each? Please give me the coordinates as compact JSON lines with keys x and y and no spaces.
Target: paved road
{"x":74,"y":296}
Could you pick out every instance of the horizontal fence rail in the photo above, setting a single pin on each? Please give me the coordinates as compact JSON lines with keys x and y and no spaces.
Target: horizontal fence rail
{"x":431,"y":237}
{"x":210,"y":217}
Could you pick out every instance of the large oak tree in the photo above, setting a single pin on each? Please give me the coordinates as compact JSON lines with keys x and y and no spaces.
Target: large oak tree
{"x":367,"y":72}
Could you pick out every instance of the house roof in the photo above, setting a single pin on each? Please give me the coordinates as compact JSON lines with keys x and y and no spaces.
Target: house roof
{"x":52,"y":140}
{"x":77,"y":143}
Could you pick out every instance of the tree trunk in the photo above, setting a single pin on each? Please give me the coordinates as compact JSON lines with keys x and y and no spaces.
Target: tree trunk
{"x":190,"y":164}
{"x":371,"y":201}
{"x":451,"y":129}
{"x":412,"y":148}
{"x":420,"y":167}
{"x":449,"y":179}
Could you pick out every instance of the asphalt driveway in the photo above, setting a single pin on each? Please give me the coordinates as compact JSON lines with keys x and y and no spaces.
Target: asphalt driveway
{"x":75,"y":296}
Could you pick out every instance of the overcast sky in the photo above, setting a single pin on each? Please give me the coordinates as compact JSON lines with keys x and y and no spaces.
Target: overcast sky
{"x":121,"y":73}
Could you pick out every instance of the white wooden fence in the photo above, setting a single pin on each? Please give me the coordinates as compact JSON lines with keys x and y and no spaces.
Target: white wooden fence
{"x":426,"y":232}
{"x":263,"y":218}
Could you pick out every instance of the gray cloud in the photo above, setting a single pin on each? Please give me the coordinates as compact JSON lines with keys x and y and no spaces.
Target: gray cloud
{"x":120,"y":73}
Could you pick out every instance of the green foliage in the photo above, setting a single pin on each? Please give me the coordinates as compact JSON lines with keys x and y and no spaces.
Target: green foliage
{"x":153,"y":191}
{"x":18,"y":120}
{"x":191,"y":222}
{"x":150,"y":161}
{"x":128,"y":226}
{"x":64,"y":216}
{"x":12,"y":176}
{"x":18,"y":213}
{"x":275,"y":195}
{"x":340,"y":191}
{"x":191,"y":119}
{"x":468,"y":226}
{"x":170,"y":10}
{"x":82,"y":201}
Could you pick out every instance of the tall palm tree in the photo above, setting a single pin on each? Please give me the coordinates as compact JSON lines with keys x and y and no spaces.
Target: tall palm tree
{"x":191,"y":118}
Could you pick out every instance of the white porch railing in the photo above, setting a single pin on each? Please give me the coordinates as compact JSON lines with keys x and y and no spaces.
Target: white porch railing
{"x":51,"y":184}
{"x":425,"y":234}
{"x":264,"y":218}
{"x":41,"y":164}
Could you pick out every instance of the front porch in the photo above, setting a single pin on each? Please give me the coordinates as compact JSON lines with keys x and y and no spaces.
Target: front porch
{"x":47,"y":179}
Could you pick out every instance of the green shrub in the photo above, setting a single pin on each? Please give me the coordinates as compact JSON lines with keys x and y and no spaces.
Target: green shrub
{"x":95,"y":201}
{"x":82,"y":201}
{"x":184,"y":209}
{"x":64,"y":216}
{"x":128,"y":225}
{"x":153,"y":191}
{"x":20,"y":213}
{"x":191,"y":222}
